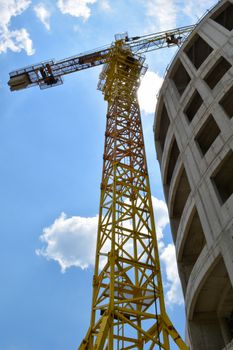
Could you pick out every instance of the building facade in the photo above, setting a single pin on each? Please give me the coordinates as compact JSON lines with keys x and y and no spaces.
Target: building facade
{"x":194,"y":142}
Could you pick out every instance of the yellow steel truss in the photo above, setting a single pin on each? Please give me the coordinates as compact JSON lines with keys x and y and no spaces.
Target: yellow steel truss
{"x":128,"y":310}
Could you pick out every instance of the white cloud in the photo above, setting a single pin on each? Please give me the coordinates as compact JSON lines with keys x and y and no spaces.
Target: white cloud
{"x":76,"y":8}
{"x":161,"y":216}
{"x":43,"y":14}
{"x":71,"y":242}
{"x":104,"y":5}
{"x":10,"y":8}
{"x":162,"y":14}
{"x":197,"y":9}
{"x":173,"y":290}
{"x":148,"y":91}
{"x":15,"y":40}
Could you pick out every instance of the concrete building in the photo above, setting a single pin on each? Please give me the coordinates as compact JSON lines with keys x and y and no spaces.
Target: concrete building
{"x":194,"y":142}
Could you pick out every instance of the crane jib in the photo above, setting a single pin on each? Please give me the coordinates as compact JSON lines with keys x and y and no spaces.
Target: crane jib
{"x":49,"y":73}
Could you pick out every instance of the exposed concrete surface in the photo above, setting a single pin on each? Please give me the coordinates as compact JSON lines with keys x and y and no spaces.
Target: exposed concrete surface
{"x":229,"y":346}
{"x":195,"y":152}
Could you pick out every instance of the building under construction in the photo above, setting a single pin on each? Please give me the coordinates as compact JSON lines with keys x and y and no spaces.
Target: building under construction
{"x":194,"y":142}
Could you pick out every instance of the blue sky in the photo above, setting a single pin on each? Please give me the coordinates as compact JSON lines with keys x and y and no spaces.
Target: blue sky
{"x":51,"y":147}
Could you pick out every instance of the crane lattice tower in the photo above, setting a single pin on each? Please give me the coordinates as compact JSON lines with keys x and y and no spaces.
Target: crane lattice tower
{"x":128,"y":310}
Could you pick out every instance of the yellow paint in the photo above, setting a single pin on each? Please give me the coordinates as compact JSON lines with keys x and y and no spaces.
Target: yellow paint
{"x":128,"y":309}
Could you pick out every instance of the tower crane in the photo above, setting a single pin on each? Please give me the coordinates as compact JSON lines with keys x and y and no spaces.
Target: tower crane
{"x":128,"y":309}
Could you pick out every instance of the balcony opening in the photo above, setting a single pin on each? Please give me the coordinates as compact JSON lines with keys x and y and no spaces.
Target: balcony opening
{"x":192,"y":247}
{"x":207,"y":135}
{"x":223,"y":178}
{"x":224,"y":16}
{"x":180,"y":199}
{"x":163,"y":127}
{"x":193,"y":105}
{"x":180,"y":78}
{"x":217,"y":72}
{"x":173,"y":156}
{"x":211,"y":323}
{"x":198,"y":51}
{"x":227,"y":104}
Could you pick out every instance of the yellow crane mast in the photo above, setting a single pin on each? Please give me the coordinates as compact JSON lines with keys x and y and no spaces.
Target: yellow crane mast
{"x":128,"y":309}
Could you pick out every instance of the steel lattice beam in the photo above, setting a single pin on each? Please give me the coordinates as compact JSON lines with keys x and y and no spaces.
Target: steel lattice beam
{"x":128,"y":310}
